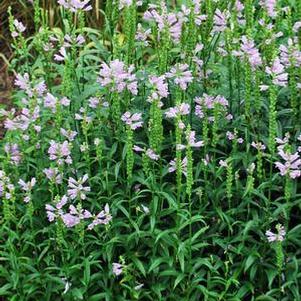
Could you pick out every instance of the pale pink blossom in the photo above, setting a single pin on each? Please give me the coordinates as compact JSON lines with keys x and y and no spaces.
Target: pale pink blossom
{"x":60,"y":152}
{"x":180,"y":110}
{"x":118,"y":77}
{"x":181,"y":75}
{"x":173,"y":166}
{"x":279,"y":76}
{"x":69,"y":134}
{"x":152,"y":155}
{"x":12,"y":150}
{"x":117,"y":269}
{"x":291,"y":166}
{"x":102,"y":218}
{"x":274,"y":237}
{"x":76,"y":188}
{"x":134,"y":121}
{"x":75,"y":5}
{"x":220,"y":21}
{"x":53,"y":175}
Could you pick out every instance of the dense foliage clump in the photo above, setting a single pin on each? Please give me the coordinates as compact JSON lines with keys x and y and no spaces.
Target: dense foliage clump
{"x":156,"y":157}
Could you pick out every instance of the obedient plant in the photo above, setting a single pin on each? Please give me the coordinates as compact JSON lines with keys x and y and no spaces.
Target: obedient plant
{"x":155,"y":155}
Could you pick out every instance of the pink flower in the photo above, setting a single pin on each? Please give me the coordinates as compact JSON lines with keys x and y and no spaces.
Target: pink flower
{"x":70,"y":220}
{"x":209,"y":102}
{"x":103,"y":218}
{"x":60,"y":152}
{"x":39,"y":88}
{"x":251,"y":52}
{"x":138,"y":149}
{"x":181,"y":75}
{"x":160,"y":88}
{"x":50,"y":102}
{"x":170,"y":21}
{"x":19,"y":26}
{"x":76,"y":41}
{"x":79,"y":212}
{"x":65,"y":101}
{"x":75,"y":5}
{"x":290,"y":56}
{"x":83,"y":116}
{"x":13,"y":152}
{"x":53,"y":175}
{"x":134,"y":121}
{"x":230,"y":135}
{"x":270,"y":6}
{"x":77,"y":189}
{"x":223,"y":163}
{"x":192,"y":140}
{"x":220,"y":21}
{"x":152,"y":155}
{"x":173,"y":166}
{"x":182,"y":109}
{"x":297,"y":27}
{"x":279,"y":77}
{"x":128,"y":3}
{"x":117,"y":269}
{"x":23,"y":120}
{"x":279,"y":236}
{"x":22,"y":82}
{"x":54,"y":212}
{"x":142,"y":35}
{"x":61,"y":56}
{"x":27,"y":187}
{"x":118,"y":77}
{"x":258,"y":145}
{"x":263,"y":87}
{"x":69,"y":134}
{"x":94,"y":102}
{"x":291,"y":166}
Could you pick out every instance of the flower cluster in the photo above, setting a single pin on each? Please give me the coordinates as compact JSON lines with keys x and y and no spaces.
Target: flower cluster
{"x":25,"y":84}
{"x":191,"y":141}
{"x":291,"y":166}
{"x":149,"y":152}
{"x":159,"y":88}
{"x":171,"y":21}
{"x":52,"y":102}
{"x":53,"y":175}
{"x":102,"y":218}
{"x":134,"y":121}
{"x":75,"y":5}
{"x":182,"y":110}
{"x":249,"y":50}
{"x":75,"y":215}
{"x":6,"y":187}
{"x":279,"y":236}
{"x":279,"y":76}
{"x":76,"y":188}
{"x":118,"y":77}
{"x":220,"y":21}
{"x":27,"y":188}
{"x":19,"y":28}
{"x":208,"y":102}
{"x":173,"y":166}
{"x":60,"y":152}
{"x":181,"y":75}
{"x":12,"y":150}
